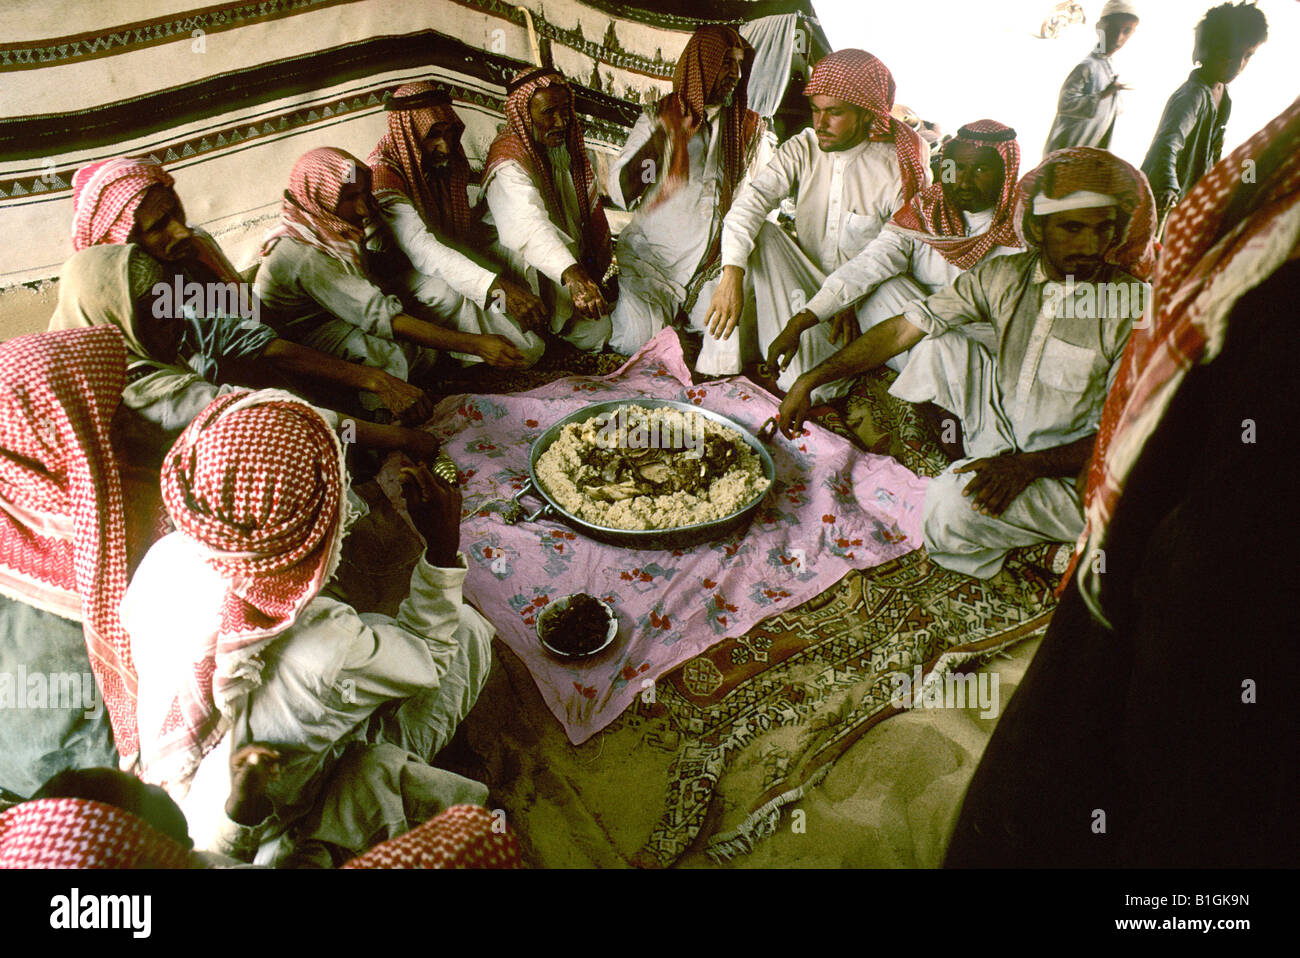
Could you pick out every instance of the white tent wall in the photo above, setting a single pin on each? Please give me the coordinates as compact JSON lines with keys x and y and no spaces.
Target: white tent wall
{"x":228,"y":96}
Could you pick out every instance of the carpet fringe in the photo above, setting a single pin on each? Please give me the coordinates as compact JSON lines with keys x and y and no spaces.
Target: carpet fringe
{"x":759,"y":824}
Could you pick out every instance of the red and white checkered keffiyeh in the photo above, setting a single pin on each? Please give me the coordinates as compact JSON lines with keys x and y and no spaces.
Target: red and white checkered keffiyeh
{"x":307,"y":212}
{"x":857,"y":77}
{"x":62,"y":516}
{"x":932,"y":219}
{"x":682,"y":111}
{"x":105,"y":196}
{"x":1097,"y":171}
{"x":464,"y":836}
{"x":257,"y":479}
{"x":516,"y":143}
{"x":1223,"y":239}
{"x":441,"y":199}
{"x":80,"y":833}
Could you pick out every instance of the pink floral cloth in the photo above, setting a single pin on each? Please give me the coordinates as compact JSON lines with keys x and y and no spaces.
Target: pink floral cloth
{"x":830,"y":509}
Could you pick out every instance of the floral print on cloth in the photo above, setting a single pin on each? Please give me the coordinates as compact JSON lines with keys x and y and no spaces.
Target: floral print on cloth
{"x":831,"y":508}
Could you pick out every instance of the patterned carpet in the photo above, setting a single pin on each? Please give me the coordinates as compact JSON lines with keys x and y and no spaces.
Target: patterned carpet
{"x":707,"y":758}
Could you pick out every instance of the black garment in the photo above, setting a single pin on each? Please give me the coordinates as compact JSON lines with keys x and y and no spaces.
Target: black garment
{"x":1189,"y":139}
{"x":1147,"y":722}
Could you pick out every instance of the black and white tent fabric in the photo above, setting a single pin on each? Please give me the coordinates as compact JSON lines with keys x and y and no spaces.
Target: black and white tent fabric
{"x":228,"y":95}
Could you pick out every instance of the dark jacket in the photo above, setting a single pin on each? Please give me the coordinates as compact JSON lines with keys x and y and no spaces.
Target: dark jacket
{"x":1189,"y":140}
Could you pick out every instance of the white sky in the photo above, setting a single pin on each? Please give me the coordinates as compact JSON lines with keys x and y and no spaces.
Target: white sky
{"x":961,"y":60}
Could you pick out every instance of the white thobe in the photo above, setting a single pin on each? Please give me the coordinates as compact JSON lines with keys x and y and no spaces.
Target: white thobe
{"x":316,"y":687}
{"x":896,"y":268}
{"x":542,"y":248}
{"x":661,"y":252}
{"x":1083,"y":116}
{"x":1022,"y":377}
{"x":451,"y":284}
{"x":842,"y":200}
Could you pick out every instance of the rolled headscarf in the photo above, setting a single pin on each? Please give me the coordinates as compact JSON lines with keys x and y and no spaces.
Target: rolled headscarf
{"x":1081,"y":177}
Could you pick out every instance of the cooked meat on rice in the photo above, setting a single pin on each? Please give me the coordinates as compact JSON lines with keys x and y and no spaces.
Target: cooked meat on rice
{"x":639,"y":468}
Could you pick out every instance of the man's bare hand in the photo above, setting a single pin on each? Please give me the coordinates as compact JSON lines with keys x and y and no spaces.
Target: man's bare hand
{"x":998,"y":481}
{"x":844,"y":327}
{"x":786,"y":345}
{"x":499,"y":351}
{"x":434,"y":508}
{"x":727,"y":304}
{"x":420,"y":445}
{"x":519,"y":303}
{"x":410,"y":404}
{"x":588,"y":301}
{"x":794,"y":408}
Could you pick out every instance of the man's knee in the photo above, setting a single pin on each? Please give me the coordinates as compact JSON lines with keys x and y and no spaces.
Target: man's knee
{"x":434,"y":293}
{"x":589,"y":335}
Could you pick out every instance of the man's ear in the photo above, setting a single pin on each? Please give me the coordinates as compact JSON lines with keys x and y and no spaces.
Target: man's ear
{"x":1034,"y":229}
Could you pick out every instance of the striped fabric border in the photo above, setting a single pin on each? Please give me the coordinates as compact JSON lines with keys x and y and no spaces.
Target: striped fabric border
{"x":34,"y":54}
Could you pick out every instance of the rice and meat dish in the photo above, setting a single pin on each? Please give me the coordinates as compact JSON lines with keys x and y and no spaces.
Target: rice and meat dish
{"x":638,"y":468}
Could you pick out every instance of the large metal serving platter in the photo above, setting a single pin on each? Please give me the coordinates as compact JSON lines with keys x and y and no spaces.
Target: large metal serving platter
{"x":679,"y":538}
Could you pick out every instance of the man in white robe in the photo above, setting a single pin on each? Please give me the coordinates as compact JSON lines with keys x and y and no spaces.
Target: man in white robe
{"x":420,"y":185}
{"x":1022,"y":349}
{"x":1090,"y":96}
{"x":945,"y":229}
{"x":237,"y":649}
{"x":684,"y":160}
{"x":849,"y":173}
{"x":544,"y":202}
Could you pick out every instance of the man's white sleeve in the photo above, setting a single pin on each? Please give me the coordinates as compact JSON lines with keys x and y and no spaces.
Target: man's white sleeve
{"x":755,"y":199}
{"x":888,"y":255}
{"x":432,"y":257}
{"x":524,"y":225}
{"x":640,"y":135}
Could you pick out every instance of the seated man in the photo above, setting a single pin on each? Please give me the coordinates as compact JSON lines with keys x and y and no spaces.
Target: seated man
{"x":420,"y":176}
{"x":70,"y":528}
{"x":544,"y":202}
{"x":942,"y":231}
{"x":235,"y":645}
{"x":849,"y":172}
{"x":684,"y":160}
{"x":1028,"y":389}
{"x":175,"y":361}
{"x":133,"y":201}
{"x":316,"y":286}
